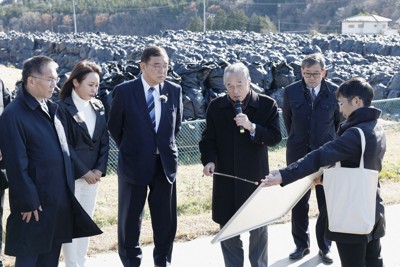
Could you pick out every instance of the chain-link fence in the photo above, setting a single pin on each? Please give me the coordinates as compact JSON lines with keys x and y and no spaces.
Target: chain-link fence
{"x":190,"y":134}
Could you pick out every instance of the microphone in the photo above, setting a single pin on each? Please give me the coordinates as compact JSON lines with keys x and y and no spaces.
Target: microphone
{"x":238,"y":110}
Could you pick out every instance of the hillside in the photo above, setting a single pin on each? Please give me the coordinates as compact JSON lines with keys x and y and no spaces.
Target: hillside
{"x":124,"y":17}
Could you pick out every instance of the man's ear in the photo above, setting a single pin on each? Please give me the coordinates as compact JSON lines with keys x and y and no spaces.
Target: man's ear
{"x":358,"y":101}
{"x":323,"y":73}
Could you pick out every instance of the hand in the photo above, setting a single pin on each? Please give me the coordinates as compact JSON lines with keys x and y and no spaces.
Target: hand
{"x":242,"y":120}
{"x":1,"y":156}
{"x":208,"y":170}
{"x":98,"y":174}
{"x":318,"y":180}
{"x":26,"y":216}
{"x":273,"y":178}
{"x":90,"y":177}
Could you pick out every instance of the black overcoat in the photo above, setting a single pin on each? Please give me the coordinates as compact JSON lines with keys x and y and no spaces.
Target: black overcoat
{"x":36,"y":157}
{"x":236,"y":153}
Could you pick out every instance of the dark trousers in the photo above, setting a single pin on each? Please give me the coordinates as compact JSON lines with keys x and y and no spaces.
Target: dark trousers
{"x":360,"y":255}
{"x":300,"y":231}
{"x":1,"y":223}
{"x":41,"y":260}
{"x":162,"y":204}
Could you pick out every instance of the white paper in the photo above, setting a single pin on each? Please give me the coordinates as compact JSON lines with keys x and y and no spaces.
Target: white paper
{"x":264,"y":206}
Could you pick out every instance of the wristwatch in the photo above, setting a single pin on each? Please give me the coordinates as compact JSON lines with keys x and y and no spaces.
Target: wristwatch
{"x":253,"y":128}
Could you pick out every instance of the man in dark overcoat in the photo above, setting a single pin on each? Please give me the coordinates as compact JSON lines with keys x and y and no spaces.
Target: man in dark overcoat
{"x":226,"y":149}
{"x":44,"y":212}
{"x":311,"y":115}
{"x":5,"y":98}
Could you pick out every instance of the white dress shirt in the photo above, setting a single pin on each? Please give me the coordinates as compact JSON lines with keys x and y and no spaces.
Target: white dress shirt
{"x":157,"y":102}
{"x":85,"y":112}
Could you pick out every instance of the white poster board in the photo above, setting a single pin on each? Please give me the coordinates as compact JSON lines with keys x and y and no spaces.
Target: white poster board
{"x":264,"y":206}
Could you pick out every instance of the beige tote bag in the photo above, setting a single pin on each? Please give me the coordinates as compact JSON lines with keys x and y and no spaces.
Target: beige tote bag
{"x":351,"y":196}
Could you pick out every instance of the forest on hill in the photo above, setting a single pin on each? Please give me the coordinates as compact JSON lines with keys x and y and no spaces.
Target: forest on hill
{"x":152,"y":17}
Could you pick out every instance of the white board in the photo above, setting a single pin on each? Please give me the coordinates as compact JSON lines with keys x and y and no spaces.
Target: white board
{"x":264,"y":206}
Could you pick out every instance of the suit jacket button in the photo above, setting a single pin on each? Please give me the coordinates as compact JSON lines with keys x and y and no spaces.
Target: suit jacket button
{"x":91,"y":148}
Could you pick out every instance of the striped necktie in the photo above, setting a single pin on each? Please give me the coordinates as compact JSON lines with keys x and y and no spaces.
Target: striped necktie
{"x":313,"y":95}
{"x":150,"y":106}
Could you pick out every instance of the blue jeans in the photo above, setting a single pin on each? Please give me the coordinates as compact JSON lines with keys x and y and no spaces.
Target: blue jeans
{"x":232,"y":249}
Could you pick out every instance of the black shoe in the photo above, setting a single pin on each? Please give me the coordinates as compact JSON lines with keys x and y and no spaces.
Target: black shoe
{"x":326,"y":256}
{"x":299,"y":253}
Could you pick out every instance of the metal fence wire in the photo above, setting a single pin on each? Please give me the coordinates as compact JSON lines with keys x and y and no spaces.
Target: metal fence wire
{"x":191,"y":131}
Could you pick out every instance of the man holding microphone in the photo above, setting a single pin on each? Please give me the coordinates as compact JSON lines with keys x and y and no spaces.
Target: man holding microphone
{"x":239,"y":127}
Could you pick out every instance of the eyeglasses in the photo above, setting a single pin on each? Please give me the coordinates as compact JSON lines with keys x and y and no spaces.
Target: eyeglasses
{"x":314,"y":75}
{"x":159,"y":66}
{"x":49,"y":80}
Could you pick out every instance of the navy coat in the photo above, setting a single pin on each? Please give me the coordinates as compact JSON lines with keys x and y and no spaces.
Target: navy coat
{"x":6,"y":101}
{"x":87,"y":153}
{"x":130,"y":126}
{"x":36,"y":157}
{"x":347,"y":149}
{"x":309,"y":125}
{"x":236,"y":153}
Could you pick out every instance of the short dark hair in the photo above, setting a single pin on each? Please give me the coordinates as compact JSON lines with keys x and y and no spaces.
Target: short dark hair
{"x":35,"y":65}
{"x":356,"y":86}
{"x":312,"y":59}
{"x":79,"y":72}
{"x":152,"y":51}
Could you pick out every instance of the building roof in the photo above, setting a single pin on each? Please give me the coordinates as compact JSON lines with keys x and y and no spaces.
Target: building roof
{"x":366,"y":18}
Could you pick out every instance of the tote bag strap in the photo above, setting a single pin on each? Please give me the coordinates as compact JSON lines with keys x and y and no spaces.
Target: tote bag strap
{"x":362,"y":147}
{"x":338,"y":165}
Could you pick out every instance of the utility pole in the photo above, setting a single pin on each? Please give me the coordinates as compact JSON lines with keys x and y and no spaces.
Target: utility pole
{"x":73,"y":9}
{"x":279,"y":17}
{"x":51,"y":17}
{"x":204,"y":16}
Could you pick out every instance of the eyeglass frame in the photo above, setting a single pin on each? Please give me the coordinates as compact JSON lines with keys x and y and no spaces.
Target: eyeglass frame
{"x":159,"y":67}
{"x":49,"y":80}
{"x":314,"y":75}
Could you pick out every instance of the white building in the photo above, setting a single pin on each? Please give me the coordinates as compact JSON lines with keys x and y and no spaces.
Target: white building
{"x":366,"y":24}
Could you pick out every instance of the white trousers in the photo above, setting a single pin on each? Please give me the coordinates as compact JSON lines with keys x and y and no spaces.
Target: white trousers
{"x":75,"y":252}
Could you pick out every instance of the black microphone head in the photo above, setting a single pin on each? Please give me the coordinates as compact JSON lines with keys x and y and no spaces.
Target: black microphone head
{"x":238,"y":106}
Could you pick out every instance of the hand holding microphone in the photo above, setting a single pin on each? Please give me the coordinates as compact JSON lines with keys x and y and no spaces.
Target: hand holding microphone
{"x":238,"y":110}
{"x":241,"y":119}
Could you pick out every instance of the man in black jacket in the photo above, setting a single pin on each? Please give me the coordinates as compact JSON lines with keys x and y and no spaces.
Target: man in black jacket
{"x":229,"y":149}
{"x":354,"y":96}
{"x":5,"y":99}
{"x":311,"y":117}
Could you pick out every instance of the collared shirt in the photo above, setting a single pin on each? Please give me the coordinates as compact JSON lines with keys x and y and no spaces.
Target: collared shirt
{"x":157,"y":102}
{"x":316,"y":89}
{"x":85,"y":112}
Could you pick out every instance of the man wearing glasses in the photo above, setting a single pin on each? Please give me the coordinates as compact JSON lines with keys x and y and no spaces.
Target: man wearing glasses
{"x":144,"y":118}
{"x":311,"y":115}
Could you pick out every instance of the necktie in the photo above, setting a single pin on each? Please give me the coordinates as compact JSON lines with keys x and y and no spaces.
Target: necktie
{"x":150,"y":106}
{"x":313,"y":95}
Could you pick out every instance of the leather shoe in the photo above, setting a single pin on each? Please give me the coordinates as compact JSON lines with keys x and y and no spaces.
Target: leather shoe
{"x":299,"y":253}
{"x":326,"y":256}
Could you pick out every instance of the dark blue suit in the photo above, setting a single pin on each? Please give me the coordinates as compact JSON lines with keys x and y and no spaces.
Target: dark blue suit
{"x":36,"y":157}
{"x":140,"y":167}
{"x":309,"y":126}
